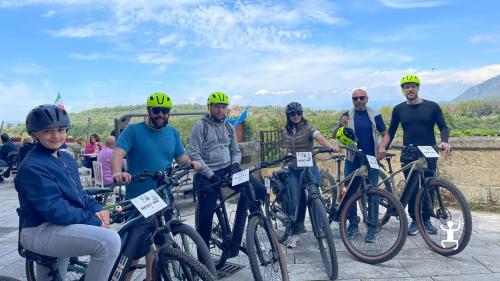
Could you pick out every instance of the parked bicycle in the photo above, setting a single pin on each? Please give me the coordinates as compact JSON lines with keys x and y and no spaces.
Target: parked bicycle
{"x":371,"y":204}
{"x":171,"y":263}
{"x":263,"y":250}
{"x":438,"y":200}
{"x":283,"y":215}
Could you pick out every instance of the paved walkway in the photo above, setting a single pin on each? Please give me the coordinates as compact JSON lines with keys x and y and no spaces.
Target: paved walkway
{"x":479,"y":261}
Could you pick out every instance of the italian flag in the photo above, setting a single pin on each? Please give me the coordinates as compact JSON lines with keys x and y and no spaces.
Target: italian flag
{"x":58,"y":101}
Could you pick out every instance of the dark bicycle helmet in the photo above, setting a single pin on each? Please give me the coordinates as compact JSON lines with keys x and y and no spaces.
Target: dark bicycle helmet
{"x":294,"y":106}
{"x":46,"y":116}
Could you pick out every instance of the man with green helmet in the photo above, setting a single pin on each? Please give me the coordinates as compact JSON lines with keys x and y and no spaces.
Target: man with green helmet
{"x":150,"y":145}
{"x":361,"y":127}
{"x":418,"y":118}
{"x":213,"y":143}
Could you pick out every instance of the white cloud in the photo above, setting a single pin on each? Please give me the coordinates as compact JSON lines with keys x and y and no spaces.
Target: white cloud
{"x":18,"y":98}
{"x":237,"y":98}
{"x":408,"y":4}
{"x":28,"y":69}
{"x":482,"y":38}
{"x":155,"y":58}
{"x":467,"y":76}
{"x":91,"y":56}
{"x":94,"y":29}
{"x":49,"y":14}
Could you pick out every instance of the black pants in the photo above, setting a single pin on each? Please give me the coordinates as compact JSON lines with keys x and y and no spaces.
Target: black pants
{"x":412,"y":189}
{"x":207,"y":200}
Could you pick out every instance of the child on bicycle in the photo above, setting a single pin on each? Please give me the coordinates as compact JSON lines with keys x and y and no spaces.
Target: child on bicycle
{"x":59,"y":218}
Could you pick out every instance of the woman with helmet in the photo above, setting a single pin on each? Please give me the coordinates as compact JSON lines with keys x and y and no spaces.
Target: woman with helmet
{"x":299,"y":136}
{"x":58,"y":218}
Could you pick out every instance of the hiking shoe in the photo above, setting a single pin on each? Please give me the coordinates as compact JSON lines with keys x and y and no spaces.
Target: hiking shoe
{"x":294,"y":241}
{"x":372,"y":236}
{"x":413,"y":228}
{"x":352,"y":230}
{"x":301,"y":229}
{"x":429,"y":227}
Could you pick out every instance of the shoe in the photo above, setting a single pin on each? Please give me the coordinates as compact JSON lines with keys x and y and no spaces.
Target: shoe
{"x":301,"y":229}
{"x":294,"y":241}
{"x":352,"y":230}
{"x":429,"y":227}
{"x":413,"y":228}
{"x":372,"y":236}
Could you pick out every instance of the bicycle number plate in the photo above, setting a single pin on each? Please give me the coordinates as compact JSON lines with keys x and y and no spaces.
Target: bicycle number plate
{"x":428,"y":151}
{"x":372,"y":161}
{"x":241,"y":177}
{"x":304,"y":159}
{"x":149,"y":203}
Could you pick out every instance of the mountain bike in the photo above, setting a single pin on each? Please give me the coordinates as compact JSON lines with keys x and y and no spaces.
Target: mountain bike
{"x":371,"y":205}
{"x":437,"y":200}
{"x":283,"y":215}
{"x":171,"y":261}
{"x":263,"y":250}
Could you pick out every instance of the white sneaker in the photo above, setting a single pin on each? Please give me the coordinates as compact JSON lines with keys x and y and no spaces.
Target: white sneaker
{"x":293,"y":241}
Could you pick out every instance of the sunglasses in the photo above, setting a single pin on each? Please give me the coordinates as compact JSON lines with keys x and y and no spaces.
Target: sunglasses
{"x":358,"y":98}
{"x":294,"y":112}
{"x":157,"y":110}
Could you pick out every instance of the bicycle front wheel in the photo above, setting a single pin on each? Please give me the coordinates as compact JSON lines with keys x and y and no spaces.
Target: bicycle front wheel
{"x":374,"y":242}
{"x":444,"y":207}
{"x":174,"y":264}
{"x":324,"y":237}
{"x":190,"y":241}
{"x":264,"y":252}
{"x":217,"y":245}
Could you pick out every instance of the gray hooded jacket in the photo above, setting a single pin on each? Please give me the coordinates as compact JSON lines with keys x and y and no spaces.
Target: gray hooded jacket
{"x":215,"y":150}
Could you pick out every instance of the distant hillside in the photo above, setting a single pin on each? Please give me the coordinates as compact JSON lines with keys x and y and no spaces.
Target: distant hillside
{"x":489,"y":89}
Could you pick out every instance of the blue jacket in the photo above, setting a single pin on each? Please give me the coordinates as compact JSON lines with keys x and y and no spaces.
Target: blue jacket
{"x":49,"y":190}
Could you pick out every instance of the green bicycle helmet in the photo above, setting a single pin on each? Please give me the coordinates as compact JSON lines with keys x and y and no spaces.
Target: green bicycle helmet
{"x":410,"y":78}
{"x":346,"y":136}
{"x":218,"y":98}
{"x":159,"y":100}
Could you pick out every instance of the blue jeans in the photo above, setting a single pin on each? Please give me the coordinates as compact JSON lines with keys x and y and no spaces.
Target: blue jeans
{"x":372,"y":176}
{"x":297,"y":197}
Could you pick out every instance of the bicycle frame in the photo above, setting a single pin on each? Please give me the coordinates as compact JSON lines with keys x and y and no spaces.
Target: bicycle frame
{"x":241,"y":210}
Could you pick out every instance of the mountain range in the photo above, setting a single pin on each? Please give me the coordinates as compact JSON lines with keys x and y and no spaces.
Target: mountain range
{"x":489,"y":89}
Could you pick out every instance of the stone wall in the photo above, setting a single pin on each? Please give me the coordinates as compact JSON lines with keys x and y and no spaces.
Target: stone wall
{"x":471,"y":165}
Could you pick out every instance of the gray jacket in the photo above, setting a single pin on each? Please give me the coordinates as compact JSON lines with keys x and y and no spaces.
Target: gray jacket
{"x":216,"y":149}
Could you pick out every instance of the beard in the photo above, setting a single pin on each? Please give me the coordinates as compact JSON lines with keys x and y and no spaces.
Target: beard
{"x":156,"y":122}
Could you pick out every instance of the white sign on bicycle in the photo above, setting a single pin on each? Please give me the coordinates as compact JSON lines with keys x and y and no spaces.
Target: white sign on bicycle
{"x":149,"y":203}
{"x":428,"y":151}
{"x":304,"y":159}
{"x":372,"y":161}
{"x":240,"y":177}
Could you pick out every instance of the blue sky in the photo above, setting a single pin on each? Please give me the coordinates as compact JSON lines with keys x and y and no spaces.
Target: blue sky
{"x":107,"y":53}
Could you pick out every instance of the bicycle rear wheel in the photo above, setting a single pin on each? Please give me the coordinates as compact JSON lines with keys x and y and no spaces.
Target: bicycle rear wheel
{"x":276,"y":214}
{"x":444,"y":205}
{"x":190,"y":241}
{"x":264,"y":252}
{"x":387,"y":239}
{"x":174,"y":264}
{"x":324,"y":237}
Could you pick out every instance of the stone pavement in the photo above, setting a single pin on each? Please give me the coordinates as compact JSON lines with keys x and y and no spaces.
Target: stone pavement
{"x":479,"y":261}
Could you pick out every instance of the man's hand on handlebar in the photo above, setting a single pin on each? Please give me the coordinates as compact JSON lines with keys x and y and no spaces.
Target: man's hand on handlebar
{"x":122,"y":177}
